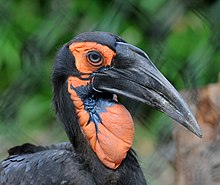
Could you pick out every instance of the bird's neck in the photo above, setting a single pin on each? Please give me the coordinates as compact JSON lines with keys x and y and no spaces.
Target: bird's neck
{"x":106,"y":124}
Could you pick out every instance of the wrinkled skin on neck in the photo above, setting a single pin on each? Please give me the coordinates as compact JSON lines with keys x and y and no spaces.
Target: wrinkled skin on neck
{"x":107,"y":124}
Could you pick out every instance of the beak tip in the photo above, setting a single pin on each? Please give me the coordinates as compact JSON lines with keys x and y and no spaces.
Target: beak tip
{"x":200,"y":135}
{"x":198,"y":132}
{"x":195,"y":128}
{"x":189,"y":121}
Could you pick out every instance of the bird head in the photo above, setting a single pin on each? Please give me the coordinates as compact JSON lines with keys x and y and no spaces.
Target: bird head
{"x":90,"y":72}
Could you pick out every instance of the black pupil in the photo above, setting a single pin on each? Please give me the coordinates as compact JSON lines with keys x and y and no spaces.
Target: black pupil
{"x":94,"y":56}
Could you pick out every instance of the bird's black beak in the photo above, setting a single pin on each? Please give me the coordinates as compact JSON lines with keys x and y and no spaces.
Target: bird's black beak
{"x":134,"y":75}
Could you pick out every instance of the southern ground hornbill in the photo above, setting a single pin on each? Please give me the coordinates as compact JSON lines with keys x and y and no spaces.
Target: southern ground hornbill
{"x":89,"y":72}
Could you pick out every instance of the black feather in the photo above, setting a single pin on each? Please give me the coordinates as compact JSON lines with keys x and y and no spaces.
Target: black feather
{"x":104,"y":38}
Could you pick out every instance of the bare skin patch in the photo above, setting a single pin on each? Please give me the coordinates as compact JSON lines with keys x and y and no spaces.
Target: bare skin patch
{"x":80,"y":51}
{"x":107,"y":124}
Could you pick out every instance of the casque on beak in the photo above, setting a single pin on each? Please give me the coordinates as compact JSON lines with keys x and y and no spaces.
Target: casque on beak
{"x":134,"y":75}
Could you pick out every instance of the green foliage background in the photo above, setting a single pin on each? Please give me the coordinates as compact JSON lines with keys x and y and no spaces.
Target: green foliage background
{"x":180,"y":36}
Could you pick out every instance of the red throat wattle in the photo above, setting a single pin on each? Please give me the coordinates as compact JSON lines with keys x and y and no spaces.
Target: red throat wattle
{"x":113,"y":137}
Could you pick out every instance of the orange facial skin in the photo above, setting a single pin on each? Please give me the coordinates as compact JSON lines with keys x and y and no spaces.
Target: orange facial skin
{"x":109,"y":126}
{"x":79,"y":51}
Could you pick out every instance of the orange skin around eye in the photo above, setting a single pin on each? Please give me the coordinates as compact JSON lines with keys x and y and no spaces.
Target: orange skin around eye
{"x":79,"y":51}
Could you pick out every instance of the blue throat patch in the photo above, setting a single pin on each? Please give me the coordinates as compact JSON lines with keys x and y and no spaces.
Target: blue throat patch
{"x":94,"y":103}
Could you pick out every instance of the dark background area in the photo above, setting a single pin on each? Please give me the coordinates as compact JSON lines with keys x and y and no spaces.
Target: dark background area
{"x":182,"y":37}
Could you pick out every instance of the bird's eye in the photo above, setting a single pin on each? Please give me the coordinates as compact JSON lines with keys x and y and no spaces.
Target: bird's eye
{"x":94,"y":57}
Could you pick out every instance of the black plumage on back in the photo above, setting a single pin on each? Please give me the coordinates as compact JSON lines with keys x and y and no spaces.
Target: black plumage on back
{"x":59,"y":164}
